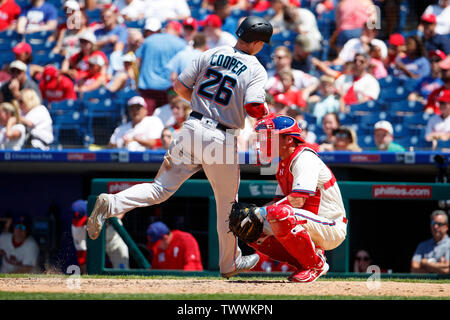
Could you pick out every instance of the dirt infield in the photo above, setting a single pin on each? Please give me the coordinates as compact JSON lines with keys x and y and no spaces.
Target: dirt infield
{"x":207,"y":286}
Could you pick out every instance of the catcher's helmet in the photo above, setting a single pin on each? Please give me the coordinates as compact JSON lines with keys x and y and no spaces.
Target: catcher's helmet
{"x":255,"y":28}
{"x":282,"y":125}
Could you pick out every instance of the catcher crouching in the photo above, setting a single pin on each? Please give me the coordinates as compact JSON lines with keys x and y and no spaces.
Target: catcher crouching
{"x":306,"y":217}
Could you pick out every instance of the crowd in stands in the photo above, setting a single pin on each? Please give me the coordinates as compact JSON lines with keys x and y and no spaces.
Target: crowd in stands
{"x":356,"y":74}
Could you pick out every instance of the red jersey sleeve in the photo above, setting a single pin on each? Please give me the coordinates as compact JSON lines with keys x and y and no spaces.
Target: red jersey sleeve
{"x":192,"y":255}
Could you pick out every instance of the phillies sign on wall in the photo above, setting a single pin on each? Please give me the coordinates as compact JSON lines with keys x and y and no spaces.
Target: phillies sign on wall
{"x":401,"y":192}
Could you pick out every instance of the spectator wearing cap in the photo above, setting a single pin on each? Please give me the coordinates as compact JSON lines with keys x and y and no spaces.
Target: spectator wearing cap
{"x":360,"y":45}
{"x":184,"y":58}
{"x":425,"y":86}
{"x":415,"y":65}
{"x":168,"y":10}
{"x":36,"y":119}
{"x":23,"y":52}
{"x":172,"y":249}
{"x":126,"y":79}
{"x":36,"y":17}
{"x":302,"y":54}
{"x":9,"y":12}
{"x":154,"y":76}
{"x":432,"y":40}
{"x":190,"y":28}
{"x":216,"y":37}
{"x":111,"y":36}
{"x":152,"y":26}
{"x":282,"y":58}
{"x":67,"y":36}
{"x":442,"y":13}
{"x":360,"y":86}
{"x":78,"y":229}
{"x":18,"y":249}
{"x":131,"y":10}
{"x":351,"y":16}
{"x":327,"y":101}
{"x":77,"y":66}
{"x":12,"y":132}
{"x":94,"y":78}
{"x":175,"y":28}
{"x":383,"y":134}
{"x":438,"y":126}
{"x":11,"y":90}
{"x":345,"y":139}
{"x":432,"y":105}
{"x":141,"y":133}
{"x":55,"y":86}
{"x":396,"y":50}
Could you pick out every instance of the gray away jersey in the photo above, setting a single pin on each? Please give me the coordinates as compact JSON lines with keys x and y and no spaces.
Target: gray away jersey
{"x":224,"y":80}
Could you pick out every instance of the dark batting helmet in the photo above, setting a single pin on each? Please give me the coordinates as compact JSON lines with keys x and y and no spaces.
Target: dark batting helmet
{"x":255,"y":29}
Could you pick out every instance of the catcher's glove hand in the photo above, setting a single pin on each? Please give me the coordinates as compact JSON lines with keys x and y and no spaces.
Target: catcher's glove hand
{"x":245,"y":222}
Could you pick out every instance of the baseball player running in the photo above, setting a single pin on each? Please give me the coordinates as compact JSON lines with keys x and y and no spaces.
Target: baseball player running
{"x":222,"y":84}
{"x":308,"y":215}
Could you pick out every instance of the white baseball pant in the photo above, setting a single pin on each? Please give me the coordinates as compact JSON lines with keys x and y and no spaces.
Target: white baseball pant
{"x":198,"y":145}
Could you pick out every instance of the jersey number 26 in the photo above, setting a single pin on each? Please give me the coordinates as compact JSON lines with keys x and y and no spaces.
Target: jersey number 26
{"x":224,"y":91}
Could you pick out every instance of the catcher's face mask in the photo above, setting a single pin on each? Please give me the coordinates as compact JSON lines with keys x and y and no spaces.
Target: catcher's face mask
{"x":268,"y":131}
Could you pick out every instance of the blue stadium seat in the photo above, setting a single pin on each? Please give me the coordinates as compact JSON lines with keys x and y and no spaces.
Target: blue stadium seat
{"x":194,"y":4}
{"x":10,"y":35}
{"x":394,"y":93}
{"x":347,"y":118}
{"x":94,"y":15}
{"x":443,"y":144}
{"x":369,"y":106}
{"x":38,"y":37}
{"x":65,"y":106}
{"x":366,"y":141}
{"x":200,"y":13}
{"x":419,"y":119}
{"x":70,"y":130}
{"x":415,"y":141}
{"x":48,"y":58}
{"x":264,"y":14}
{"x":100,"y":94}
{"x":42,"y":48}
{"x":406,"y":106}
{"x":238,"y":13}
{"x":389,"y":82}
{"x":138,"y":24}
{"x":284,"y":38}
{"x":103,"y":118}
{"x":372,"y":118}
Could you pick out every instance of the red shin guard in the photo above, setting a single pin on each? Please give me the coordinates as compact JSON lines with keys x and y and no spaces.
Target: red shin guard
{"x":288,"y":230}
{"x":272,"y":248}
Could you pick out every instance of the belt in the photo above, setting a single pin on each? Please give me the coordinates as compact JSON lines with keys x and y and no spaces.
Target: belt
{"x":199,"y":116}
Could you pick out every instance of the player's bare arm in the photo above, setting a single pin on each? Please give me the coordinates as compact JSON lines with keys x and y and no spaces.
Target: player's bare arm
{"x":182,"y":90}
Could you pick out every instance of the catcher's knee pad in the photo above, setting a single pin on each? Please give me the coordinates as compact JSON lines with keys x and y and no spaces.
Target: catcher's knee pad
{"x":288,"y":230}
{"x":282,"y":219}
{"x":272,"y":248}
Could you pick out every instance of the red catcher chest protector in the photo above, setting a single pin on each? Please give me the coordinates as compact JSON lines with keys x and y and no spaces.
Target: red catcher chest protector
{"x":285,"y":180}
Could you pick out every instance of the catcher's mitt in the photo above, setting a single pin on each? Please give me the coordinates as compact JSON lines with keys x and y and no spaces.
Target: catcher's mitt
{"x":245,"y":222}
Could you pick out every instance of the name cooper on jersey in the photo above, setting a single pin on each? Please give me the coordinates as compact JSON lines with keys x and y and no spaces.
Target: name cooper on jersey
{"x":228,"y":62}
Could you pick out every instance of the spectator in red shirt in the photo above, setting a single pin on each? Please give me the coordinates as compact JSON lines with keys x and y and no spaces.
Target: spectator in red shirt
{"x":55,"y":86}
{"x":9,"y":11}
{"x":94,"y":78}
{"x":291,"y":94}
{"x":432,"y":105}
{"x":173,"y":249}
{"x":77,"y":66}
